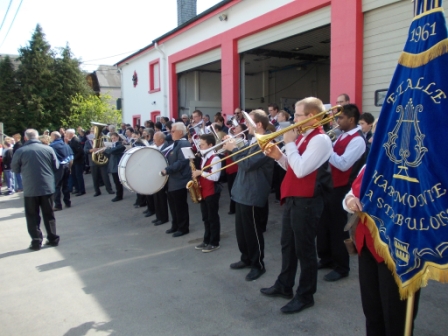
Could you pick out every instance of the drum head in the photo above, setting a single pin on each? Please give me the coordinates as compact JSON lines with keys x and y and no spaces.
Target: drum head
{"x":142,"y":167}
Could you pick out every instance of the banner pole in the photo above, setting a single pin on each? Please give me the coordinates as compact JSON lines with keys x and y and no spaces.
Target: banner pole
{"x":409,"y":315}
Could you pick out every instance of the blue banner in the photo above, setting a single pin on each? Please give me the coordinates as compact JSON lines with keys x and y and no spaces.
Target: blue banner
{"x":405,"y":185}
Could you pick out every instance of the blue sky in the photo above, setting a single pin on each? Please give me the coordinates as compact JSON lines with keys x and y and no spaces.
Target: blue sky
{"x":94,"y":29}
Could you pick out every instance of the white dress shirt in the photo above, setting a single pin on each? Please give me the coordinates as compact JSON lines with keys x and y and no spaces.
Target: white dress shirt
{"x":354,"y":150}
{"x":214,"y":177}
{"x":317,"y":152}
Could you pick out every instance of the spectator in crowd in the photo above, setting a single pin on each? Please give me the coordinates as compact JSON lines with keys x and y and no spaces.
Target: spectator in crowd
{"x":6,"y":165}
{"x":37,"y":164}
{"x":45,"y":139}
{"x":185,"y":119}
{"x":366,"y":122}
{"x":64,"y":155}
{"x":17,"y":176}
{"x":78,"y":162}
{"x":114,"y":154}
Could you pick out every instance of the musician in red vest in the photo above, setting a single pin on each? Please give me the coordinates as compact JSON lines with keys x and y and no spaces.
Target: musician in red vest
{"x":211,"y":191}
{"x":349,"y":155}
{"x":307,"y":179}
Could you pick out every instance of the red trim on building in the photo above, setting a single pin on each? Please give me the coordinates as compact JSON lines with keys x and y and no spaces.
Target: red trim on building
{"x":229,"y":38}
{"x":152,"y":76}
{"x":230,"y":74}
{"x":153,"y":115}
{"x":347,"y":34}
{"x":136,"y":120}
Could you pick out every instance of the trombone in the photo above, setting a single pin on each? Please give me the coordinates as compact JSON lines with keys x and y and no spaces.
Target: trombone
{"x":264,"y":140}
{"x":239,"y":142}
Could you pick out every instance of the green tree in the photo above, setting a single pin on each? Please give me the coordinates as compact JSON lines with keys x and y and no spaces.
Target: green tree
{"x":37,"y":81}
{"x":10,"y":112}
{"x":70,"y":81}
{"x":92,"y":108}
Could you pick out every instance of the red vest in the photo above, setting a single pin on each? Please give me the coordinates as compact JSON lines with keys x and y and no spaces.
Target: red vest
{"x":207,"y":186}
{"x":292,"y":186}
{"x":232,"y":169}
{"x":342,"y":178}
{"x":362,"y":231}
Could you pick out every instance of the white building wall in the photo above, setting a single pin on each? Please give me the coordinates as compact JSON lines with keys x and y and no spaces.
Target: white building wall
{"x":385,"y":33}
{"x":138,"y":100}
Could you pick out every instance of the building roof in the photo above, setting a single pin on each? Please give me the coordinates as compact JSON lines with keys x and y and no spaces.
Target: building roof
{"x":108,"y":77}
{"x":178,"y":28}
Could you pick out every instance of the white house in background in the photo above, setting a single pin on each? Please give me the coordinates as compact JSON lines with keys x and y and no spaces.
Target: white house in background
{"x":254,"y":52}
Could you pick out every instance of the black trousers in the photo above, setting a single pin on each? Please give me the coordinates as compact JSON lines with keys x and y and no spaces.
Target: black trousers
{"x":210,"y":217}
{"x":78,"y":177}
{"x":264,"y":216}
{"x":161,"y":205}
{"x":177,"y":200}
{"x":118,"y":185}
{"x":331,"y":234}
{"x":249,"y":234}
{"x":385,"y":312}
{"x":299,"y":226}
{"x":98,"y":171}
{"x":61,"y":180}
{"x":150,"y":203}
{"x":230,"y":181}
{"x":33,"y":205}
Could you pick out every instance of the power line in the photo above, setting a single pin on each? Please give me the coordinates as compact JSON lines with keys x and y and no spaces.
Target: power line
{"x":17,"y":11}
{"x":7,"y":11}
{"x":99,"y":59}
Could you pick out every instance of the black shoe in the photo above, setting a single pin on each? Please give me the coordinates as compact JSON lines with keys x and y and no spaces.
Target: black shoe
{"x":34,"y":247}
{"x":295,"y":306}
{"x":96,"y":194}
{"x":137,"y":206}
{"x":159,"y":222}
{"x":170,"y":231}
{"x":334,"y":276}
{"x":179,"y":234}
{"x":231,"y":213}
{"x":149,"y":214}
{"x":238,"y":265}
{"x":80,"y":194}
{"x":74,"y":192}
{"x":255,"y":273}
{"x":155,"y":220}
{"x":111,"y":192}
{"x":68,"y":205}
{"x":116,"y":199}
{"x":57,"y":209}
{"x":275,"y":291}
{"x":321,"y":265}
{"x":52,"y":243}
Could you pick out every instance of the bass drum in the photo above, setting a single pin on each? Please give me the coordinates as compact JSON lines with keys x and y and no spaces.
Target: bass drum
{"x":139,"y":170}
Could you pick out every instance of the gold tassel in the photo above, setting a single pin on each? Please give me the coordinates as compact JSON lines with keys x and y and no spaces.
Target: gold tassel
{"x":430,"y":271}
{"x":423,"y":58}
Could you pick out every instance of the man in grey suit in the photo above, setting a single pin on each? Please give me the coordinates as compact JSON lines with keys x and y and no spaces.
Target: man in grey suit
{"x":180,"y":173}
{"x":37,"y":163}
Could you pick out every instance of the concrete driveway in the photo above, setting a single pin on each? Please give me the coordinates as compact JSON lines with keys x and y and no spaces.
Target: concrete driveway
{"x":115,"y":273}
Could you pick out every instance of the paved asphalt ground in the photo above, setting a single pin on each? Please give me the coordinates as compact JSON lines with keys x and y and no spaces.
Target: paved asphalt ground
{"x":114,"y":273}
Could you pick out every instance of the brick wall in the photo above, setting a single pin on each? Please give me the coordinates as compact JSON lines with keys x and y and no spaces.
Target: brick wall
{"x":186,"y":10}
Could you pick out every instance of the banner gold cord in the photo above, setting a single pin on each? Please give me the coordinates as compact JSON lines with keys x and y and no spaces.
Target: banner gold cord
{"x":430,"y":271}
{"x":423,"y":58}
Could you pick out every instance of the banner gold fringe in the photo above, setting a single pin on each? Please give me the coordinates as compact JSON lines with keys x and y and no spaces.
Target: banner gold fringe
{"x":430,"y":271}
{"x":417,"y":60}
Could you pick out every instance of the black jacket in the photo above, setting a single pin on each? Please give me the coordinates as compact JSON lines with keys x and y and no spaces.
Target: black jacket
{"x":178,"y":167}
{"x":114,"y":154}
{"x":7,"y":158}
{"x":78,"y":150}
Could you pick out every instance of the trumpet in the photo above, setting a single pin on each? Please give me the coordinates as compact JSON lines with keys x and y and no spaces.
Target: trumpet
{"x":264,"y":140}
{"x":239,"y":142}
{"x":332,"y":134}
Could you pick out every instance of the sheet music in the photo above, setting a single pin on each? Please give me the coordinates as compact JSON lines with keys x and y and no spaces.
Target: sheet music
{"x":145,"y":142}
{"x":188,"y":152}
{"x":122,"y":137}
{"x":108,"y":144}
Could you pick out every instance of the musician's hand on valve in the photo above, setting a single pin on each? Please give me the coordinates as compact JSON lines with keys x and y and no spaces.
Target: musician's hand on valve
{"x":229,"y":145}
{"x":290,"y":136}
{"x":196,"y":173}
{"x":273,"y":151}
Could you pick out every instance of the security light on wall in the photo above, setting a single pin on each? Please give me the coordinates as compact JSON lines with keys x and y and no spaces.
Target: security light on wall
{"x":223,"y":17}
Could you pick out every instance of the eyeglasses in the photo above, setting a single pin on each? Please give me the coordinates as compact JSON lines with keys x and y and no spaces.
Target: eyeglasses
{"x":299,"y":115}
{"x":173,"y":131}
{"x":184,"y":118}
{"x":238,"y":113}
{"x":340,"y":102}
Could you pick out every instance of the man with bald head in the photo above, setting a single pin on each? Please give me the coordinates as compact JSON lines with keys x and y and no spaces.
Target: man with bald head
{"x":37,"y":164}
{"x":65,"y":157}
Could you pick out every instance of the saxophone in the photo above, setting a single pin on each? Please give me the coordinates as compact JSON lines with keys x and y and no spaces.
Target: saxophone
{"x":193,"y":186}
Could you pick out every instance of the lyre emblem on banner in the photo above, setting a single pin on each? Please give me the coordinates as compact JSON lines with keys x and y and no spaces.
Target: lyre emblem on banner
{"x":406,"y":129}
